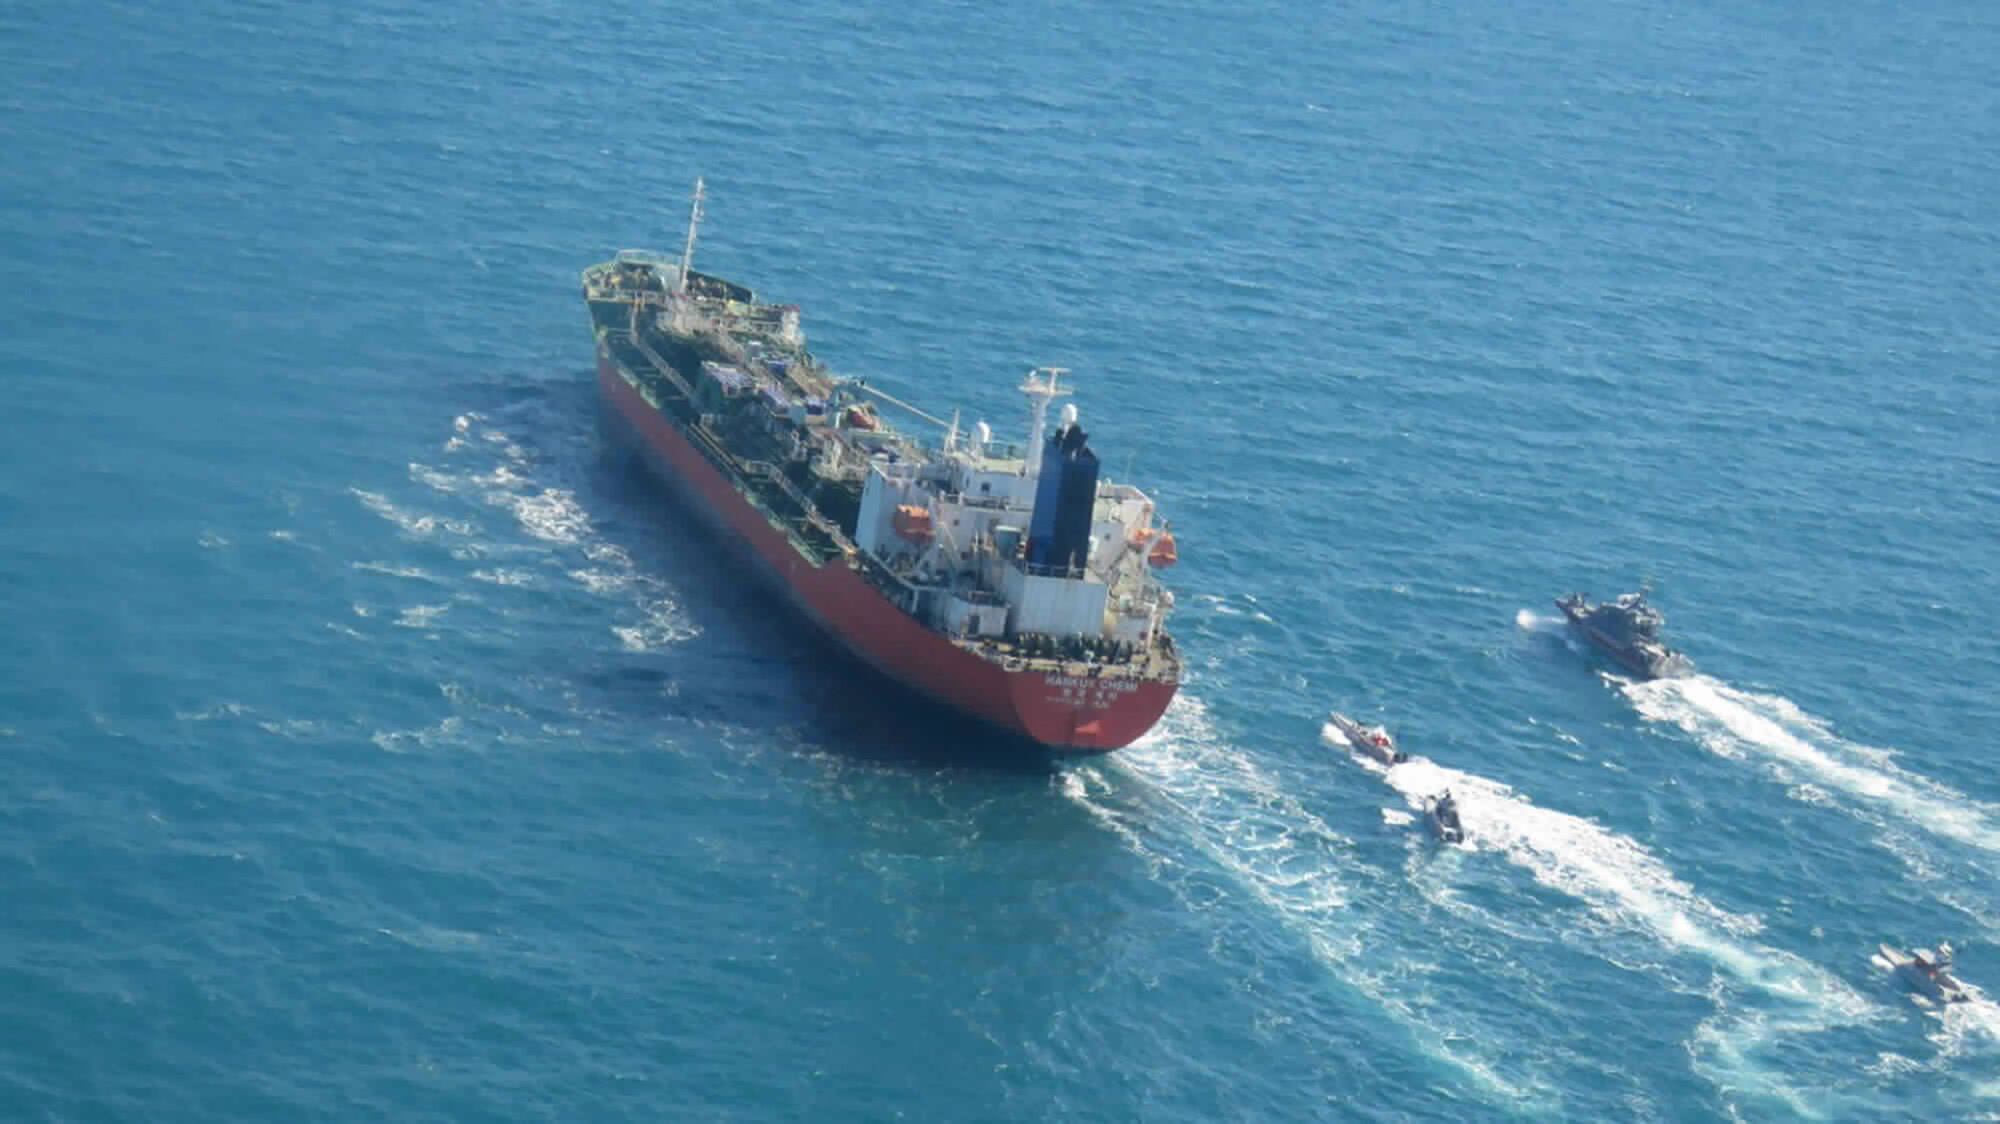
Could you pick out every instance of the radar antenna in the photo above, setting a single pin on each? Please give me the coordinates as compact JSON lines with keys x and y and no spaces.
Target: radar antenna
{"x":1041,"y":389}
{"x":694,"y":222}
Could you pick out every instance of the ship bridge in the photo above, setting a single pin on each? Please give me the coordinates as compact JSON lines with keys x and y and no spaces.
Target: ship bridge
{"x":995,"y":544}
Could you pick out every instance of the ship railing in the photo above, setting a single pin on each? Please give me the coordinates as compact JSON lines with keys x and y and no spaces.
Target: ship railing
{"x":1041,"y":570}
{"x":787,"y":526}
{"x":698,"y":435}
{"x":665,"y":368}
{"x":1146,"y":666}
{"x":988,"y":503}
{"x":775,"y":475}
{"x":720,"y":455}
{"x":602,"y":287}
{"x":997,"y":450}
{"x":880,"y":571}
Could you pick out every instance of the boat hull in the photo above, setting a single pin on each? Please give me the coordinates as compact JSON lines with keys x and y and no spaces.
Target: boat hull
{"x":1445,"y":829}
{"x":1359,"y":742}
{"x":1668,"y":666}
{"x":1058,"y":710}
{"x":1905,"y":966}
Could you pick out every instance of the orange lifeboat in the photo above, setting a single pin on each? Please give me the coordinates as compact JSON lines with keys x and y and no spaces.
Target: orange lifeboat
{"x":1141,"y":536}
{"x":913,"y":523}
{"x":858,"y":418}
{"x":1164,"y":552}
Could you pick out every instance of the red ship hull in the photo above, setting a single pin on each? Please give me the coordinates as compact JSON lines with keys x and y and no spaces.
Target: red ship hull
{"x":1073,"y":713}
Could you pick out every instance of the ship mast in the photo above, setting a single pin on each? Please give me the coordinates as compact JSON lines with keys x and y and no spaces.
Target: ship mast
{"x":694,"y":222}
{"x":1040,"y":391}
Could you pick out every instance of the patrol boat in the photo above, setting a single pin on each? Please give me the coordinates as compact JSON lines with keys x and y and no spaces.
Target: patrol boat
{"x":1928,"y":972}
{"x":1442,"y":813}
{"x":1370,"y":741}
{"x":1627,"y":630}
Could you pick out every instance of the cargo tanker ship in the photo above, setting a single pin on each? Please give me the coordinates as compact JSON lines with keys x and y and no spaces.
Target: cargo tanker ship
{"x":1011,"y":583}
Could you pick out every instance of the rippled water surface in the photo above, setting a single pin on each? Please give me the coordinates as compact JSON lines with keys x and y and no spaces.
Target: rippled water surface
{"x":375,"y":748}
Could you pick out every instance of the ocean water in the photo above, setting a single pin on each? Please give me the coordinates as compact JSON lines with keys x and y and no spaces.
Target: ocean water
{"x":374,"y":747}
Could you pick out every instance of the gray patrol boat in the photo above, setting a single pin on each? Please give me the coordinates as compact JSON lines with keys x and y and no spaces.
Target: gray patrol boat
{"x":1928,"y":972}
{"x":1441,"y":812}
{"x":1626,"y":629}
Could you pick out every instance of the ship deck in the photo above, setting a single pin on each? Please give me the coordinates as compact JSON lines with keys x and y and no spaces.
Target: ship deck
{"x":764,"y":484}
{"x":1160,"y":664}
{"x":818,"y":539}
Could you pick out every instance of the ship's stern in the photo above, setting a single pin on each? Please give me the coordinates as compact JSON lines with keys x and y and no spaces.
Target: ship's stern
{"x":1087,"y":714}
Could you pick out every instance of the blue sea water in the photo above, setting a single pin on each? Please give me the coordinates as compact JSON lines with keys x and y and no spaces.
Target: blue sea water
{"x":374,"y":747}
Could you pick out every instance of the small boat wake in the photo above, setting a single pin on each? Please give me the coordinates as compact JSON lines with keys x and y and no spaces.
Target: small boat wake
{"x":1799,"y":747}
{"x":1285,"y":857}
{"x":1622,"y":883}
{"x":1971,"y":1021}
{"x":1527,"y":620}
{"x":1626,"y":890}
{"x":1368,"y":928}
{"x":1551,"y":626}
{"x":1962,"y":1025}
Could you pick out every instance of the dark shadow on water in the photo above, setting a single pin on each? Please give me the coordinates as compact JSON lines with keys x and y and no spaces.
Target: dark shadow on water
{"x":756,"y":662}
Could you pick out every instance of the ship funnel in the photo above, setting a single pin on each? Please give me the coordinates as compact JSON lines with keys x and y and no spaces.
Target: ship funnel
{"x":1065,"y":499}
{"x":981,"y":434}
{"x":1069,"y":413}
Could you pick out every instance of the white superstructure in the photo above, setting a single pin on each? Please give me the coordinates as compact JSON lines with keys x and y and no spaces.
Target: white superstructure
{"x":956,"y":524}
{"x":977,"y":539}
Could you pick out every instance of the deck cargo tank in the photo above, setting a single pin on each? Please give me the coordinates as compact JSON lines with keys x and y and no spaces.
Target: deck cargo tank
{"x":1013,"y":584}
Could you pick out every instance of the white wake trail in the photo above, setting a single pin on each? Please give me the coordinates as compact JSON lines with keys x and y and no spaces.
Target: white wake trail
{"x":1628,"y":888}
{"x":1960,"y":1025}
{"x":1736,"y":723}
{"x":1288,"y":859}
{"x":1245,"y":820}
{"x":1614,"y":875}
